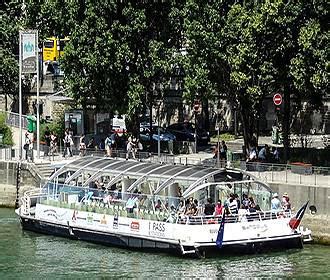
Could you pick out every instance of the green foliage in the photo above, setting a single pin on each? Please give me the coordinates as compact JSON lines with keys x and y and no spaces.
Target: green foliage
{"x":10,"y":24}
{"x":5,"y":131}
{"x":57,"y":127}
{"x":223,"y":136}
{"x":122,"y":54}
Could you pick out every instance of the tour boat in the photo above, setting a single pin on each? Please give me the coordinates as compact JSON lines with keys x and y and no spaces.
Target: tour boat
{"x":141,"y":205}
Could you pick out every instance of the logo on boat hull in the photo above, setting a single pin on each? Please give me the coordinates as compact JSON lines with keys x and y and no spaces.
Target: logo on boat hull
{"x":135,"y":226}
{"x":255,"y":227}
{"x":104,"y":220}
{"x":157,"y":229}
{"x":52,"y":213}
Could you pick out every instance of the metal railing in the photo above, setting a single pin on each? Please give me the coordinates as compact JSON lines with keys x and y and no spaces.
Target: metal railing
{"x":143,"y":207}
{"x":302,"y":174}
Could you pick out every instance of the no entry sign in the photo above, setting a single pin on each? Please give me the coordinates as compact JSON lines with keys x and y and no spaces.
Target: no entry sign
{"x":277,"y":99}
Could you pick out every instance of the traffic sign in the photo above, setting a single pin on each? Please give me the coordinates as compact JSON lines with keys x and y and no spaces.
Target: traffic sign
{"x":277,"y":99}
{"x":197,"y":106}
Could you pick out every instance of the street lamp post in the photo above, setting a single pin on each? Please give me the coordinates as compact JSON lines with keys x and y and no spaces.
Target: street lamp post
{"x":218,"y":147}
{"x":20,"y":98}
{"x":38,"y":102}
{"x":195,"y":132}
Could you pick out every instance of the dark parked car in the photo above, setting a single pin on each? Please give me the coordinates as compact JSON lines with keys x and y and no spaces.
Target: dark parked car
{"x":186,"y":132}
{"x":166,"y":139}
{"x":163,"y":134}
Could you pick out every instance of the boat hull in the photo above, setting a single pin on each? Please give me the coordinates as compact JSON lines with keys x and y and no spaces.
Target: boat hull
{"x":145,"y":244}
{"x":104,"y":238}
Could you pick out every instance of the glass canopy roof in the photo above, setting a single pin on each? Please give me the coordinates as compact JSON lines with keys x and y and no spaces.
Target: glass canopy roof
{"x":99,"y":166}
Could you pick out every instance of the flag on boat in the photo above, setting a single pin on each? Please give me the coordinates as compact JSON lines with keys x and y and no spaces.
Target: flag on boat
{"x":296,"y":219}
{"x":220,"y":231}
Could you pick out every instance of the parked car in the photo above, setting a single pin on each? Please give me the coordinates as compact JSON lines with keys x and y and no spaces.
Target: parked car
{"x":166,"y":139}
{"x":163,"y":134}
{"x":186,"y":132}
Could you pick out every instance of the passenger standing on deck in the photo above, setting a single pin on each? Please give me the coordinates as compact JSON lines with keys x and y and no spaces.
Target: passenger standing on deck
{"x":209,"y":208}
{"x":286,"y":204}
{"x":275,"y":203}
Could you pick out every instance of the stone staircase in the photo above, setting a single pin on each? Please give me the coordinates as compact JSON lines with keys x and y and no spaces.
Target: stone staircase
{"x":44,"y":169}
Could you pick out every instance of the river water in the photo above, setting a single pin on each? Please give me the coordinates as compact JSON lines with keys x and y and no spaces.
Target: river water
{"x":27,"y":255}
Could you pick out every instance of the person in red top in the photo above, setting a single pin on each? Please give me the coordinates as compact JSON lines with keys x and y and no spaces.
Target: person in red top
{"x":218,"y":208}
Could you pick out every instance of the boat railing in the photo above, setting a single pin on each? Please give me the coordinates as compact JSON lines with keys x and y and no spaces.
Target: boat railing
{"x":30,"y":199}
{"x":143,"y":207}
{"x":234,"y":218}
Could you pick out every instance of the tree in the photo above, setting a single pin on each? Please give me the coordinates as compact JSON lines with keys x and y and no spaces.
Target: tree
{"x":11,"y":23}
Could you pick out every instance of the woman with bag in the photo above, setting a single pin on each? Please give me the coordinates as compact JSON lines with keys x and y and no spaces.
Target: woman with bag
{"x":28,"y":147}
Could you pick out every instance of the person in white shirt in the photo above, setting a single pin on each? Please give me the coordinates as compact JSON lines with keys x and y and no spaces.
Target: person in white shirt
{"x":275,"y":203}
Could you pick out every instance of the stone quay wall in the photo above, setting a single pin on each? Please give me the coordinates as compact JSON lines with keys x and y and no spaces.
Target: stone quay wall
{"x":8,"y":174}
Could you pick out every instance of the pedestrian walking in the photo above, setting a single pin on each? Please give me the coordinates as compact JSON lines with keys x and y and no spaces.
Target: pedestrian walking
{"x":67,"y":143}
{"x":28,"y":147}
{"x":47,"y":141}
{"x":130,"y":148}
{"x":53,"y":144}
{"x":82,"y":145}
{"x":108,"y":145}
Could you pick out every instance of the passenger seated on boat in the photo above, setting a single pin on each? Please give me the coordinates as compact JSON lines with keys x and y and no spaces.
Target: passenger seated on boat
{"x":190,"y":207}
{"x":218,"y":210}
{"x":191,"y":210}
{"x":108,"y":198}
{"x":245,"y":201}
{"x":254,"y":213}
{"x":199,"y":207}
{"x":242,"y":214}
{"x":236,"y":197}
{"x":158,"y":205}
{"x":131,"y":204}
{"x":172,"y":216}
{"x":181,"y":209}
{"x":233,"y":208}
{"x":252,"y":204}
{"x":209,"y":207}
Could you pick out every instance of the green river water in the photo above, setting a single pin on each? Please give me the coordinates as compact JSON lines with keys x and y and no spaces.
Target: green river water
{"x":27,"y":255}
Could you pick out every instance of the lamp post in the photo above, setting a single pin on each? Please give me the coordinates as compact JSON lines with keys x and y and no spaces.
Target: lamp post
{"x":20,"y":97}
{"x":38,"y":101}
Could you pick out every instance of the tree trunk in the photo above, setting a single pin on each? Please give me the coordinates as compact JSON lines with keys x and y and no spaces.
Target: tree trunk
{"x":246,"y":130}
{"x":206,"y":114}
{"x":286,"y":124}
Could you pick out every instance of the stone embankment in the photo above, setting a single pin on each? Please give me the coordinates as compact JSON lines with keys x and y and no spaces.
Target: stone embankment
{"x":320,"y":227}
{"x":8,"y":194}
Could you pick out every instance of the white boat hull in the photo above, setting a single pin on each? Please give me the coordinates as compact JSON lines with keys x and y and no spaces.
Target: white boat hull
{"x":149,"y":235}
